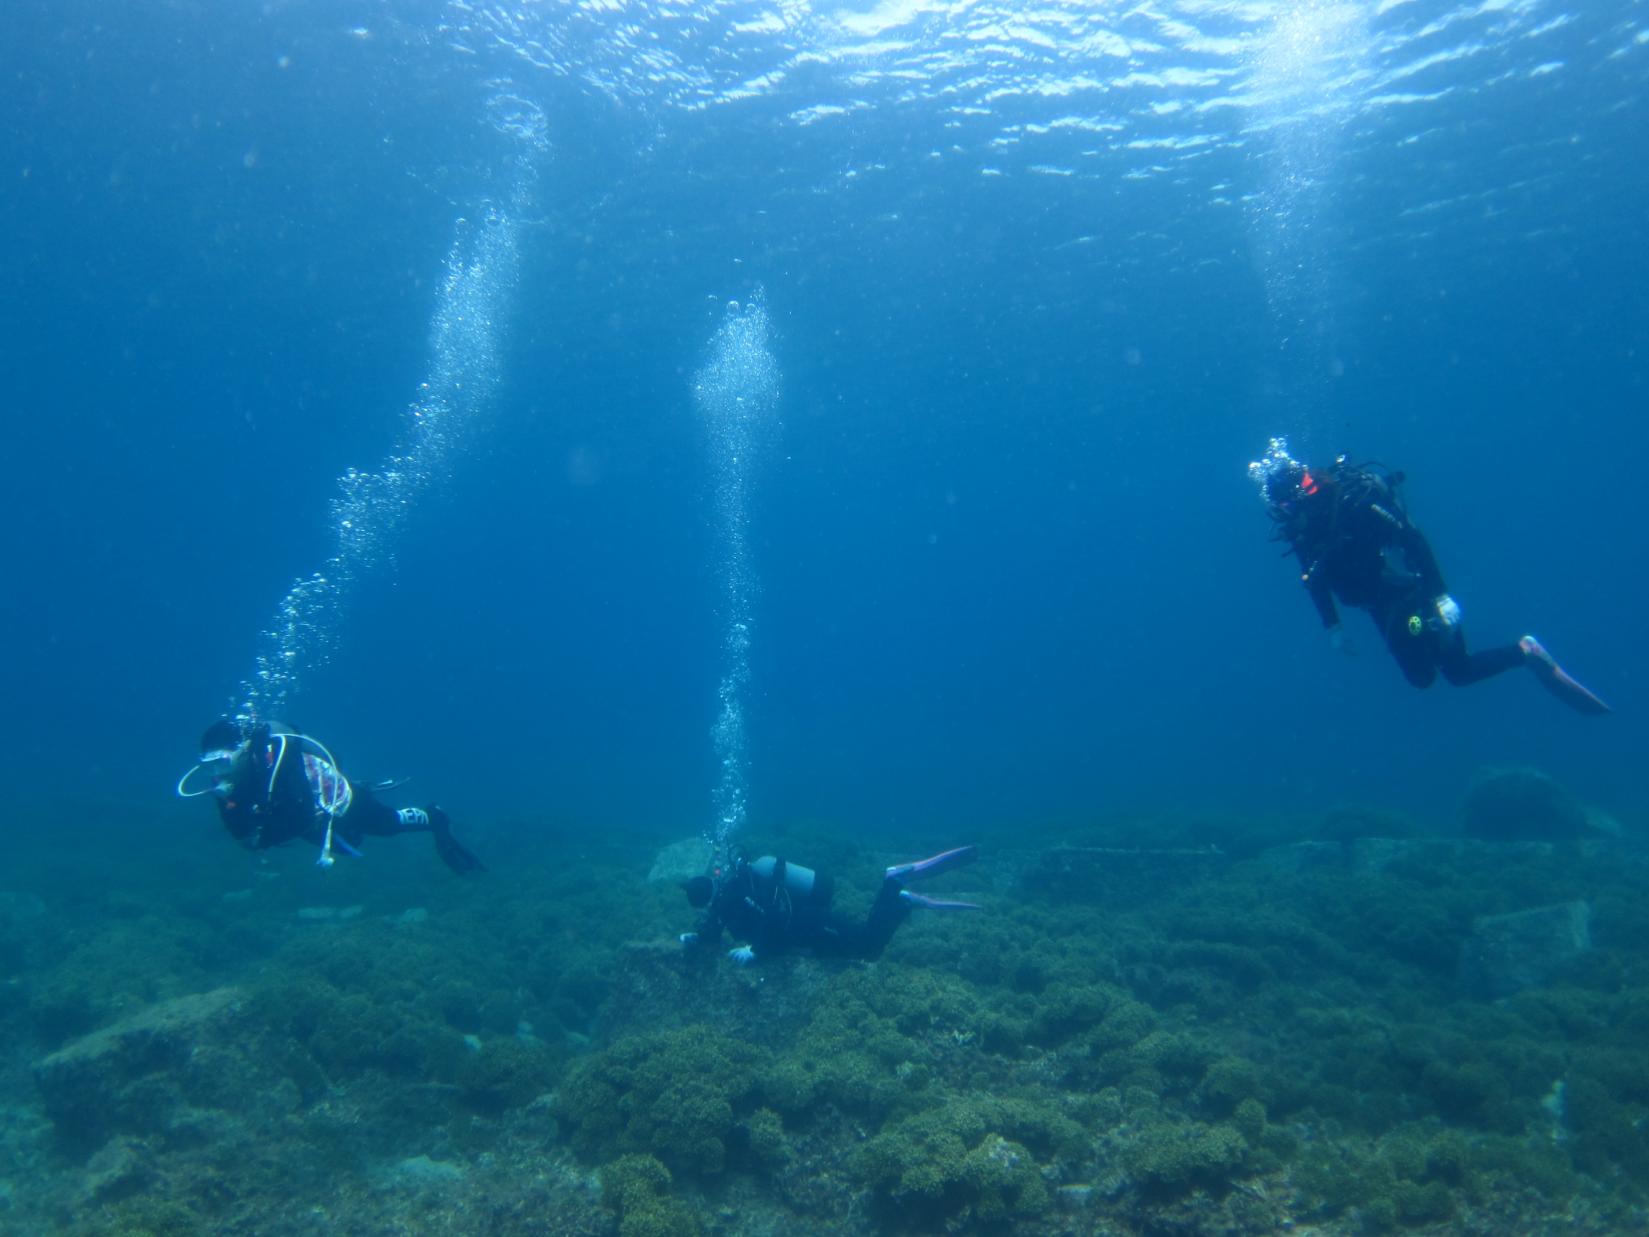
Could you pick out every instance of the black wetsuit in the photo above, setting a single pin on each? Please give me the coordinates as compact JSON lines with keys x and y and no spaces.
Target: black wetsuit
{"x":767,"y":906}
{"x":1346,"y":536}
{"x":270,"y":801}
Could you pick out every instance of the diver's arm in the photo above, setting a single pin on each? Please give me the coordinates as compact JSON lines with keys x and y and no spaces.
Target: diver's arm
{"x":1316,"y":584}
{"x":770,"y":938}
{"x":722,"y":915}
{"x":244,"y":805}
{"x":745,"y":920}
{"x":237,"y":817}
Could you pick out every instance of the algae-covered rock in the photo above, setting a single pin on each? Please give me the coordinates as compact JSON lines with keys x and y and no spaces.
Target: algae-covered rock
{"x":1378,"y":856}
{"x":419,"y":1172}
{"x":119,"y":1169}
{"x":1006,"y":1179}
{"x":1067,"y":1010}
{"x":1120,"y":875}
{"x":1230,"y":1081}
{"x":972,"y":1152}
{"x":1295,"y":857}
{"x":851,"y":1054}
{"x":1522,"y":805}
{"x":1249,"y":1120}
{"x":507,"y":1073}
{"x":637,"y":1187}
{"x":681,"y":861}
{"x":659,"y":984}
{"x":1508,"y":953}
{"x":764,"y":1130}
{"x":676,"y":1095}
{"x":1350,"y":821}
{"x":145,"y":1073}
{"x":1171,"y":1156}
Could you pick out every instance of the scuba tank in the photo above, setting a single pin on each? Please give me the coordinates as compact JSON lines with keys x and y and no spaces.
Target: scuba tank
{"x":794,"y":879}
{"x":781,"y":888}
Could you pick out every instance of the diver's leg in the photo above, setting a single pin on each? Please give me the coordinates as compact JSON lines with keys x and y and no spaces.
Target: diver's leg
{"x":843,"y":938}
{"x":839,"y":938}
{"x":886,"y":914}
{"x":367,"y":817}
{"x":1412,"y":650}
{"x":1463,"y":669}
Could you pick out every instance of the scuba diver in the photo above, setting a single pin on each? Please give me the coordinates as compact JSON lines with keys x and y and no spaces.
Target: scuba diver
{"x":774,"y":905}
{"x":273,"y":786}
{"x":1345,"y":523}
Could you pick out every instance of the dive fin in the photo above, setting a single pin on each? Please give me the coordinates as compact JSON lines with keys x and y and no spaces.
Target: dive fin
{"x":945,"y":861}
{"x":1557,"y":681}
{"x":452,"y":853}
{"x":935,"y":904}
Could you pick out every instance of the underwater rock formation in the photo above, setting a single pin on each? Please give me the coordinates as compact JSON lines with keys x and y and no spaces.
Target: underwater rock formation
{"x":1508,"y":953}
{"x":1522,"y":805}
{"x":1247,"y":1041}
{"x":1119,"y":875}
{"x":1293,"y":858}
{"x":681,"y":861}
{"x":158,"y":1071}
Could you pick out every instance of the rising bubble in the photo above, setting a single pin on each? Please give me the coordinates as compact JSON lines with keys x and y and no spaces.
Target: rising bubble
{"x":370,"y":508}
{"x":736,"y":392}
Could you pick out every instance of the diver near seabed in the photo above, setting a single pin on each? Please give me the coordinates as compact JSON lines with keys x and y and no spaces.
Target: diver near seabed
{"x":1344,"y":524}
{"x":273,"y":785}
{"x":773,"y":906}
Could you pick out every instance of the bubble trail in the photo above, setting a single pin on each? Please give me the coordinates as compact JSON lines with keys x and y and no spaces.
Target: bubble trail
{"x":1304,"y":97}
{"x":371,"y":508}
{"x":736,"y":393}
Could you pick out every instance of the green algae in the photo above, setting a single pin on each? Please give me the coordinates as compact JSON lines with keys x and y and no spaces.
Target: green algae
{"x":1260,"y":1041}
{"x":637,"y":1187}
{"x":1176,"y":1155}
{"x":960,"y":1155}
{"x":675,"y":1095}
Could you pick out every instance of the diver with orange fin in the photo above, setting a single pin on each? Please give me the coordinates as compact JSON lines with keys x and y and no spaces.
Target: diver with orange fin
{"x":1356,"y":545}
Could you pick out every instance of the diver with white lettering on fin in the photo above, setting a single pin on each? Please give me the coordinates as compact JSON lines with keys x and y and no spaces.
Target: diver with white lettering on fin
{"x":273,"y":785}
{"x":1346,"y":524}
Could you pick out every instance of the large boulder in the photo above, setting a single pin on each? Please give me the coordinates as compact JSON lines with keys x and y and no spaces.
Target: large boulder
{"x":163,"y":1070}
{"x":1523,"y":805}
{"x":1507,"y":953}
{"x":681,"y":861}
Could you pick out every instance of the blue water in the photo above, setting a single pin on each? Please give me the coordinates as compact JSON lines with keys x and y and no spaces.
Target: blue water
{"x":1042,"y":280}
